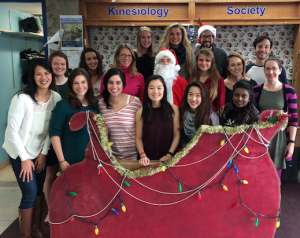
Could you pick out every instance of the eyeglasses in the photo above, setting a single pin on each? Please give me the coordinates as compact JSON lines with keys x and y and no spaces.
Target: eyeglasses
{"x":207,"y":37}
{"x":123,"y":56}
{"x":273,"y":69}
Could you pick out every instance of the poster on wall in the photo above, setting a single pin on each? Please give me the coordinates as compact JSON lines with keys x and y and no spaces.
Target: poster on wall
{"x":106,"y":39}
{"x":73,"y":32}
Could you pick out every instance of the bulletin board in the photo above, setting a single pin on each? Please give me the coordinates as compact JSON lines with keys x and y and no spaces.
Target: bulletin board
{"x":269,"y":13}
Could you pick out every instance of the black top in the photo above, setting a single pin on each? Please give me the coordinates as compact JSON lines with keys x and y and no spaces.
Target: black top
{"x":228,"y":92}
{"x":229,"y":117}
{"x":145,"y":65}
{"x":157,"y":135}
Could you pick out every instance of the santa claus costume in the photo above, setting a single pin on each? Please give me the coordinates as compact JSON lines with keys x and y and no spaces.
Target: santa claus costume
{"x":175,"y":84}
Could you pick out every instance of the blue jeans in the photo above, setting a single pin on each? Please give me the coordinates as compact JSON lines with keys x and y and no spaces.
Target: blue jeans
{"x":29,"y":189}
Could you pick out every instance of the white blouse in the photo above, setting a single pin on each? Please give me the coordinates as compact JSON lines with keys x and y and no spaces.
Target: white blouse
{"x":20,"y":124}
{"x":40,"y":127}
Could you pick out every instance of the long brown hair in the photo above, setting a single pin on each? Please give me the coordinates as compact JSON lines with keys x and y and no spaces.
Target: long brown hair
{"x":31,"y":88}
{"x":71,"y":96}
{"x":82,"y":63}
{"x":235,"y":54}
{"x":213,"y":72}
{"x":165,"y":43}
{"x":203,"y":111}
{"x":150,"y":50}
{"x":116,"y":63}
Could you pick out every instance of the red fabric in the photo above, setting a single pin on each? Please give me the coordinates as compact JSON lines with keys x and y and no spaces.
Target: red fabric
{"x":213,"y":216}
{"x":133,"y":85}
{"x":172,"y":51}
{"x":178,"y":91}
{"x":202,"y":24}
{"x":219,"y":101}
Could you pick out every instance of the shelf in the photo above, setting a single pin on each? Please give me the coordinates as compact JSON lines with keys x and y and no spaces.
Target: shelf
{"x":23,"y":34}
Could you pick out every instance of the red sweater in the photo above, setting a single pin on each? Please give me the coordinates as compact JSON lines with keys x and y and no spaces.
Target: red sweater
{"x":178,"y":91}
{"x":133,"y":85}
{"x":219,"y":100}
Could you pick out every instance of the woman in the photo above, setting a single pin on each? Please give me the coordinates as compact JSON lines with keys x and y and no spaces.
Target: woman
{"x":175,"y":38}
{"x":91,"y":61}
{"x":27,"y":142}
{"x":205,"y":71}
{"x":145,"y":54}
{"x":118,"y":110}
{"x":60,"y":66}
{"x":157,"y":123}
{"x":70,"y":145}
{"x":236,"y":70}
{"x":240,"y":109}
{"x":195,"y":111}
{"x":275,"y":95}
{"x":125,"y":60}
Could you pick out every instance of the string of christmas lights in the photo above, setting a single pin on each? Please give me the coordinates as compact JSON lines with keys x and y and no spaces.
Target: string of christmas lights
{"x":213,"y":177}
{"x":194,"y":190}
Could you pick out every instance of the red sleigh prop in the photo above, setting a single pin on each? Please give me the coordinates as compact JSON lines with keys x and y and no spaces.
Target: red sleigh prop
{"x":159,"y":205}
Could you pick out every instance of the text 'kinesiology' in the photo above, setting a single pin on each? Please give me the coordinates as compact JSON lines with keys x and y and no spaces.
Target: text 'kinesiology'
{"x":160,"y":12}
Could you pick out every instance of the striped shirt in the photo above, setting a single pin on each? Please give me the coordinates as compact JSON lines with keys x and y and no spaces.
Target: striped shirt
{"x":121,"y":128}
{"x":290,"y":105}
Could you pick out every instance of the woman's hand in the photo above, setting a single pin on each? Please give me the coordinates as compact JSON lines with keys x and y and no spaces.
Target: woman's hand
{"x":26,"y":169}
{"x":40,"y":163}
{"x":64,"y":165}
{"x":144,"y":161}
{"x":166,"y":158}
{"x":289,"y":150}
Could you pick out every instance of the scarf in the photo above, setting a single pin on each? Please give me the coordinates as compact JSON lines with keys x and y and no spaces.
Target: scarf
{"x":189,"y":124}
{"x":180,"y":54}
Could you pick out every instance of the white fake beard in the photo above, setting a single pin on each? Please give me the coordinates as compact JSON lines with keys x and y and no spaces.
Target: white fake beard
{"x":169,"y":74}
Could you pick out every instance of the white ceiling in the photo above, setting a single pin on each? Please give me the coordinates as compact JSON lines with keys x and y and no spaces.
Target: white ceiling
{"x":28,"y":8}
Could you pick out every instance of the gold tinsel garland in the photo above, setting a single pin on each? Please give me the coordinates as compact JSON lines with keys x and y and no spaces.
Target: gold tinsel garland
{"x":175,"y":159}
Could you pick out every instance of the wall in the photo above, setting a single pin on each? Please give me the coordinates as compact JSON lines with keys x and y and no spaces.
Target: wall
{"x":54,"y":8}
{"x":106,"y":39}
{"x":11,"y":64}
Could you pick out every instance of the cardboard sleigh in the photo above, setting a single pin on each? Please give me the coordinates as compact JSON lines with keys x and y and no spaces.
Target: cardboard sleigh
{"x":212,"y":188}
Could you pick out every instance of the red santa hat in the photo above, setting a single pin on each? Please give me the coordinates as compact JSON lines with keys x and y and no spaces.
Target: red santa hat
{"x":206,"y":27}
{"x":168,"y":53}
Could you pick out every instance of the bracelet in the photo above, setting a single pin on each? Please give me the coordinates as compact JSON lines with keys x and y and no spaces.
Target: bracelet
{"x":62,"y":161}
{"x":292,"y":141}
{"x":170,"y":153}
{"x":142,"y":153}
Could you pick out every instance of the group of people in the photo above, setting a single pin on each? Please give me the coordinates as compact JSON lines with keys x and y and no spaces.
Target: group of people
{"x":152,"y":103}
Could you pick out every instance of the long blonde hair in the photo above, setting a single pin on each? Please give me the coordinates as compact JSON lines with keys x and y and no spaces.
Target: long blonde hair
{"x":165,"y":42}
{"x":213,"y":72}
{"x":150,"y":50}
{"x":234,"y":54}
{"x":116,"y":63}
